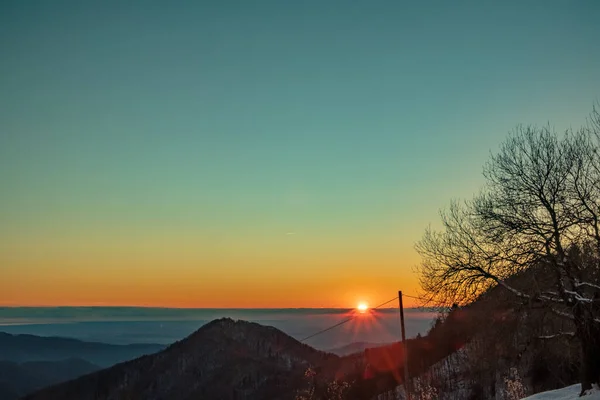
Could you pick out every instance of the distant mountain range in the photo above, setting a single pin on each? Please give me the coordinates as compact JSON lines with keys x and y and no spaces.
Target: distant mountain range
{"x":224,"y":359}
{"x":29,"y":363}
{"x":17,"y":380}
{"x":23,"y":348}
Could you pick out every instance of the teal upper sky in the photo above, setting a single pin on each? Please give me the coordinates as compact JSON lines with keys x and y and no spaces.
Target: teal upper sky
{"x":232,"y":119}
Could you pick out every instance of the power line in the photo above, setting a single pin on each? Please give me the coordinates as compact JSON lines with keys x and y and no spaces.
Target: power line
{"x":426,"y":301}
{"x":327,"y":329}
{"x":412,"y":297}
{"x":343,"y":322}
{"x":387,"y":302}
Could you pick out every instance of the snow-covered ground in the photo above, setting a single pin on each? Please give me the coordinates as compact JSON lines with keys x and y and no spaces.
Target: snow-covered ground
{"x":566,"y":393}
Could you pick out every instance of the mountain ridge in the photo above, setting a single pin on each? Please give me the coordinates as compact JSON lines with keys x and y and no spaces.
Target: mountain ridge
{"x":268,"y":365}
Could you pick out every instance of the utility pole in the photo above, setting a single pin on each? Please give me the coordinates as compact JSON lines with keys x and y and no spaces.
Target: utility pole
{"x":405,"y":347}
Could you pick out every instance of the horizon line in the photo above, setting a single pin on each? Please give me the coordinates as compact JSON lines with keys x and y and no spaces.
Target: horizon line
{"x":199,"y":308}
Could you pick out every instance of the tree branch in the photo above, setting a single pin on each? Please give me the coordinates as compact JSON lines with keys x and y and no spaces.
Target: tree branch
{"x":572,"y":334}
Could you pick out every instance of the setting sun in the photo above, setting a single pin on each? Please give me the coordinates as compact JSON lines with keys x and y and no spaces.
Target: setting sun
{"x":362,"y":307}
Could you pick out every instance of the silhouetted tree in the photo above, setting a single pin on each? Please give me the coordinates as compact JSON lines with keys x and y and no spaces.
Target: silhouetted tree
{"x":538,"y":211}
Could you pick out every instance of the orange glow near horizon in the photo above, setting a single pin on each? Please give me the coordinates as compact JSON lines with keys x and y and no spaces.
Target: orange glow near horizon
{"x":74,"y":272}
{"x":325,"y":294}
{"x":75,"y":299}
{"x":186,"y":296}
{"x":171,"y":276}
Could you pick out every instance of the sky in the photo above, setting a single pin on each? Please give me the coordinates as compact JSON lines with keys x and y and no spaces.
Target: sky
{"x":264,"y":153}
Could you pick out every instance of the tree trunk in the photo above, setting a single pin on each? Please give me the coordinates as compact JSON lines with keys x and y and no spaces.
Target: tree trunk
{"x":589,"y":335}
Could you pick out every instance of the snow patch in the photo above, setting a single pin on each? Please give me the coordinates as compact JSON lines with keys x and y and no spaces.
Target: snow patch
{"x":566,"y":393}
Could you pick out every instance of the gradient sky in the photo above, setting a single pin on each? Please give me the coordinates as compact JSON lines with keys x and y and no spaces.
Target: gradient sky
{"x":260,"y":153}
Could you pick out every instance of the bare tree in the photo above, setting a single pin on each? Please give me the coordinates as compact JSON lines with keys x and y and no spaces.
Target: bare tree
{"x":538,"y":214}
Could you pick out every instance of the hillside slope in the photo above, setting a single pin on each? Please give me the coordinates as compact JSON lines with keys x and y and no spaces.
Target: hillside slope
{"x":224,"y":359}
{"x":20,"y":379}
